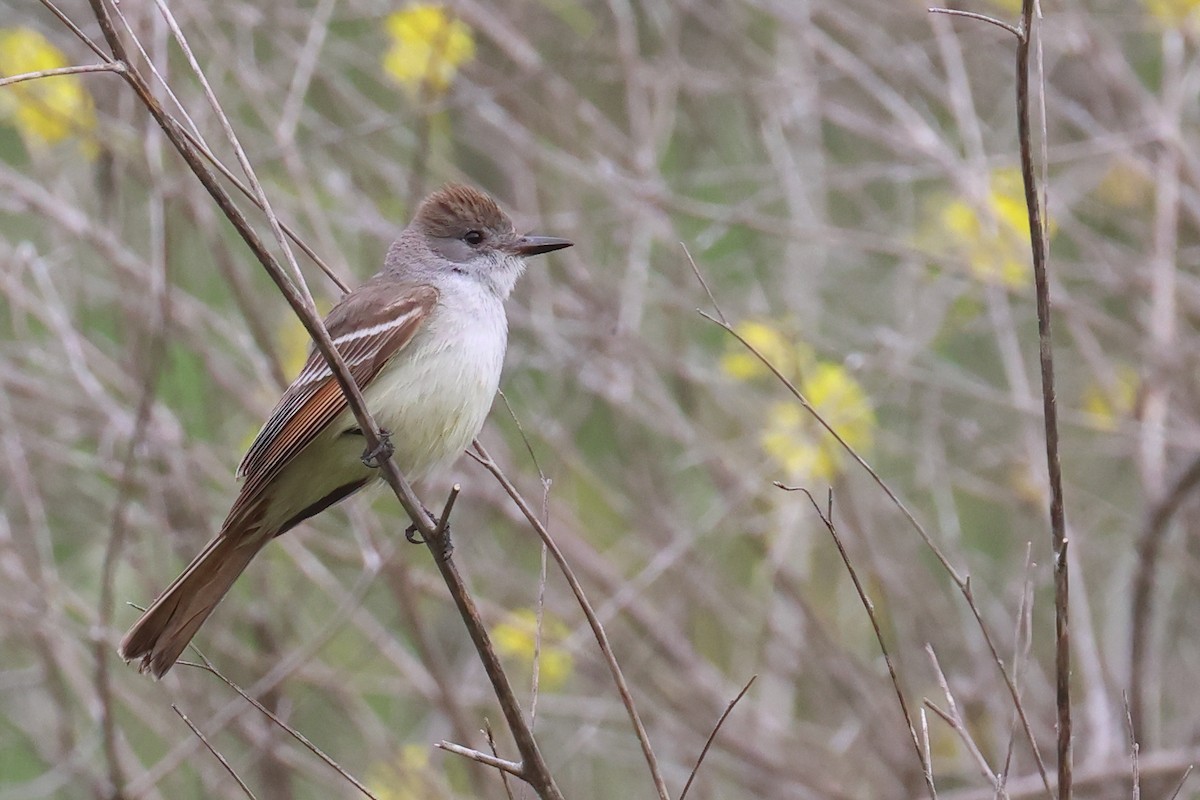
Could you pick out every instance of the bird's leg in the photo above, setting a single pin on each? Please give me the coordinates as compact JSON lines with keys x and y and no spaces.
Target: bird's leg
{"x":373,"y":457}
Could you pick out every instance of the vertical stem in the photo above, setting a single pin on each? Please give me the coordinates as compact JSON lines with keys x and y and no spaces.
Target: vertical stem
{"x":1062,"y":639}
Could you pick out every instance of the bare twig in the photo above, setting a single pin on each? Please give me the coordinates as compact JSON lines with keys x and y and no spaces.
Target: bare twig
{"x":826,"y":518}
{"x":75,"y":29}
{"x":49,"y":73}
{"x":925,"y":748}
{"x":703,"y":283}
{"x":1136,"y":791}
{"x":540,"y":603}
{"x":1022,"y":644}
{"x":954,"y":719}
{"x":1039,"y":245}
{"x":533,"y":768}
{"x":1182,"y":781}
{"x":228,"y":767}
{"x":444,"y":520}
{"x":955,"y":12}
{"x":963,"y":584}
{"x":896,"y":501}
{"x":593,"y":621}
{"x":713,"y":736}
{"x":491,"y":740}
{"x":1058,"y":526}
{"x":207,"y":666}
{"x":509,"y":767}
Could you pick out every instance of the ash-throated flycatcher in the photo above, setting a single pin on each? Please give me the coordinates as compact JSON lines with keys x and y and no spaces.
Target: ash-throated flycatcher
{"x":425,"y":339}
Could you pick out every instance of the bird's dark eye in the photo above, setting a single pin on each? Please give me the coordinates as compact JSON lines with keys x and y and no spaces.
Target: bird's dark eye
{"x":473,"y":237}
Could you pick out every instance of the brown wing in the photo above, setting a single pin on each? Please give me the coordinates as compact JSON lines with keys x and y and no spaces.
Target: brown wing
{"x":368,"y":328}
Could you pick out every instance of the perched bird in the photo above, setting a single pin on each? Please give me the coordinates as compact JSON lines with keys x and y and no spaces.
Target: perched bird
{"x":424,"y":339}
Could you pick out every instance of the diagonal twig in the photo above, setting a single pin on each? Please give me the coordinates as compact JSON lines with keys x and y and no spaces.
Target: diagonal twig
{"x":208,"y":667}
{"x":826,"y":518}
{"x":482,"y":456}
{"x":228,"y":767}
{"x":713,"y":736}
{"x":962,"y":583}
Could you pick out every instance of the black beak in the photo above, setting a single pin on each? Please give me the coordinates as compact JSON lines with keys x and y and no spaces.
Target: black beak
{"x":536,"y":245}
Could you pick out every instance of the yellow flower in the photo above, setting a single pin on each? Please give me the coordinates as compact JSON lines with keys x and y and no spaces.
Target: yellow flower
{"x":1173,"y":13}
{"x":1105,"y":406}
{"x":44,"y":110}
{"x":516,"y":637}
{"x":799,"y":444}
{"x":994,"y":240}
{"x":429,"y":45}
{"x":767,"y":338}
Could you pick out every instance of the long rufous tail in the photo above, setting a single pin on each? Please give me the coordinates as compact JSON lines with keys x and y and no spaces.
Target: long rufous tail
{"x":164,"y":630}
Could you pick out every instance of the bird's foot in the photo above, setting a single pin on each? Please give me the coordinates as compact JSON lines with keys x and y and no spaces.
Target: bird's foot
{"x":413,"y":535}
{"x":373,"y":457}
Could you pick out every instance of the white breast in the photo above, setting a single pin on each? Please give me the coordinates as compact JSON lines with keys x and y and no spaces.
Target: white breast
{"x":436,"y":393}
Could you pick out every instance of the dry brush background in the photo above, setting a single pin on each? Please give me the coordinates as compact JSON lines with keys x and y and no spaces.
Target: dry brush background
{"x":843,"y":175}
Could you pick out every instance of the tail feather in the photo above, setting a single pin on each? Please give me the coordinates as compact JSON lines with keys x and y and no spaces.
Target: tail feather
{"x":160,"y":635}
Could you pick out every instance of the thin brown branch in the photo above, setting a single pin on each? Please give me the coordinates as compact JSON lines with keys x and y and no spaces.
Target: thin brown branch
{"x":896,"y":501}
{"x":954,"y":12}
{"x":540,"y":602}
{"x":296,"y":239}
{"x":49,"y":73}
{"x":703,"y":283}
{"x":534,"y":768}
{"x":963,"y":584}
{"x":954,"y":719}
{"x":1136,"y":791}
{"x":1039,"y":245}
{"x":713,"y":736}
{"x":207,"y":666}
{"x":228,"y":767}
{"x":509,"y":767}
{"x":254,"y":191}
{"x":444,"y":520}
{"x":79,"y":34}
{"x":590,"y":613}
{"x":1182,"y":780}
{"x":491,"y":740}
{"x":826,"y":518}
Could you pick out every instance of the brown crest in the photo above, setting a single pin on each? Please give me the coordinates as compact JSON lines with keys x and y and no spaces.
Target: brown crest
{"x":455,"y":209}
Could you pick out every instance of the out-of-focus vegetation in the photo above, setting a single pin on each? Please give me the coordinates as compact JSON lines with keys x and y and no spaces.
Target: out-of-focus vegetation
{"x":842,"y":172}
